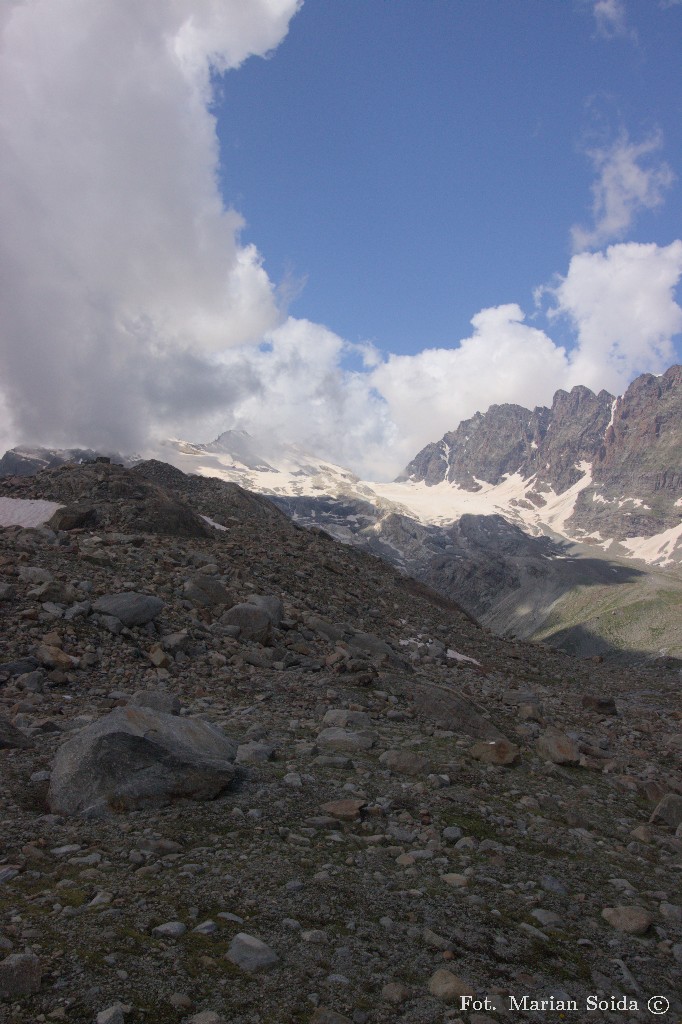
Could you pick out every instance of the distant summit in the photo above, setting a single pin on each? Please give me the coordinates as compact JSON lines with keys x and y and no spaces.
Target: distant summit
{"x":627,"y":452}
{"x":26,"y":461}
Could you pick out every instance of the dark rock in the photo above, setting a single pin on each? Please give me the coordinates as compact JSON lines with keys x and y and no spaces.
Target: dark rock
{"x":206,"y":591}
{"x":136,"y":757}
{"x":11,"y":737}
{"x":20,"y":975}
{"x":157,"y":700}
{"x":130,"y":608}
{"x":253,"y":622}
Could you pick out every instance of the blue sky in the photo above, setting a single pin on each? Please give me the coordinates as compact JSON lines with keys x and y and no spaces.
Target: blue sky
{"x":348,"y":224}
{"x":414,"y":161}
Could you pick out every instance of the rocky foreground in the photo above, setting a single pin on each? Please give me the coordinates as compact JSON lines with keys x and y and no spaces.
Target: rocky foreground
{"x":252,"y":775}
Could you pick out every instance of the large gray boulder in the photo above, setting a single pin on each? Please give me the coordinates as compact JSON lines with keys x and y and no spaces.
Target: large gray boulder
{"x":271,"y":605}
{"x":253,"y":622}
{"x":207,"y":592}
{"x":137,"y":757}
{"x":132,"y":609}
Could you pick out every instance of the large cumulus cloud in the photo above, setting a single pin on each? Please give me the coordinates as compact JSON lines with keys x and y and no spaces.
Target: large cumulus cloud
{"x":121,"y":269}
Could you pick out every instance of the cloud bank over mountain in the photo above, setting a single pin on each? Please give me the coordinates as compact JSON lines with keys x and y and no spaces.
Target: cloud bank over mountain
{"x":132,"y":309}
{"x":122,"y":271}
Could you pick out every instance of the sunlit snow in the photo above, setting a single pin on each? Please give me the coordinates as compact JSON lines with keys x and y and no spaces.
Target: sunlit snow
{"x":26,"y":511}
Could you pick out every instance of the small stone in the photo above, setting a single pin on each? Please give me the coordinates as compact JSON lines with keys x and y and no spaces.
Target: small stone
{"x":547,"y":918}
{"x":669,"y":810}
{"x":324,"y":1016}
{"x":207,"y":1017}
{"x":452,"y":833}
{"x":672,"y":912}
{"x":395,"y":992}
{"x":170,"y":930}
{"x":557,"y":747}
{"x":20,"y":975}
{"x":344,"y":810}
{"x":406,"y":762}
{"x":206,"y":928}
{"x":602,"y":705}
{"x":12,"y":738}
{"x":455,"y":880}
{"x":315,"y":935}
{"x":113,"y":1014}
{"x":157,"y":700}
{"x":250,"y":954}
{"x":254,"y":752}
{"x":54,"y":657}
{"x":347,"y":719}
{"x":447,"y":986}
{"x":633,"y":920}
{"x":500,"y":752}
{"x":180,"y":1001}
{"x":130,"y":608}
{"x":345,"y":739}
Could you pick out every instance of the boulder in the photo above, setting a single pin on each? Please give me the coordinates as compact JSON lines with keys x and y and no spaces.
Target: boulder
{"x":50,"y":656}
{"x":11,"y":737}
{"x":345,"y":739}
{"x":633,"y":920}
{"x":500,"y":752}
{"x":445,"y":985}
{"x":130,"y":608}
{"x":345,"y":719}
{"x":206,"y":591}
{"x":250,"y":954}
{"x":157,"y":700}
{"x":669,"y":810}
{"x":73,"y":517}
{"x":136,"y":757}
{"x":20,"y":975}
{"x":254,"y":752}
{"x":558,"y":747}
{"x":323,"y":1015}
{"x":406,"y":762}
{"x":602,"y":705}
{"x":349,"y":809}
{"x":254,"y":623}
{"x":448,"y":709}
{"x":271,"y":605}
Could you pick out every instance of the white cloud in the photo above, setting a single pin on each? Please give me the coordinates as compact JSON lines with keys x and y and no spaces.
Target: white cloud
{"x":621,"y":312}
{"x":306,"y":395}
{"x":625,"y":186}
{"x":621,"y":303}
{"x":122,"y":270}
{"x":611,"y":19}
{"x":504,"y":360}
{"x":131,"y":308}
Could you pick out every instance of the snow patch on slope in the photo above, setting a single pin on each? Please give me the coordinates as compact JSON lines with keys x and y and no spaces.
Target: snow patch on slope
{"x":26,"y":512}
{"x":657,"y":550}
{"x":263,"y":465}
{"x":445,"y":503}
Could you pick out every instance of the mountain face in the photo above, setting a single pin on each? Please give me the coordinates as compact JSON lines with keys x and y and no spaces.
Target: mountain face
{"x":626,"y":451}
{"x":528,"y":519}
{"x":261,"y":464}
{"x":25,"y":461}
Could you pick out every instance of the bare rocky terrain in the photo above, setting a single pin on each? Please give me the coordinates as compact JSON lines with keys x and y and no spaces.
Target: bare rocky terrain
{"x":251,"y":775}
